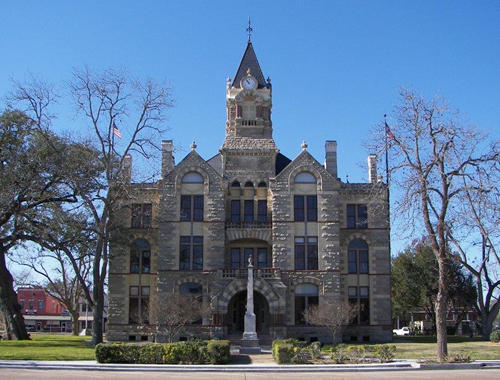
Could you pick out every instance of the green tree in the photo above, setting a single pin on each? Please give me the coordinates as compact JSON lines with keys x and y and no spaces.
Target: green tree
{"x":415,"y":277}
{"x":34,"y":167}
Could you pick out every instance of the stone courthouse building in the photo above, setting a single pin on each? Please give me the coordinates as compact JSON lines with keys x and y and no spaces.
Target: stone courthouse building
{"x":312,"y":237}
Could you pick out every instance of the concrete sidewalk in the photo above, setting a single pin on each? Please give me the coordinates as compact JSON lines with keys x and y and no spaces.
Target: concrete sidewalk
{"x":402,"y":365}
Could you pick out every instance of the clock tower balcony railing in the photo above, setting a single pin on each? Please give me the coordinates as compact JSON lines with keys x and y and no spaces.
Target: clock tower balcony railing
{"x":266,"y":273}
{"x":267,"y":224}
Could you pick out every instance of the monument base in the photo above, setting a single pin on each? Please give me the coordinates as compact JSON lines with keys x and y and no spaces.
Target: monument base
{"x":250,"y":346}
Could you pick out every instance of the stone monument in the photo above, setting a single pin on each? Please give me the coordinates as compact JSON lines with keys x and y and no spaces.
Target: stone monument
{"x":250,"y":341}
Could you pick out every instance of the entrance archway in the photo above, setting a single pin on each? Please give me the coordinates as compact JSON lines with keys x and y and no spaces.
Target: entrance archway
{"x":236,"y":313}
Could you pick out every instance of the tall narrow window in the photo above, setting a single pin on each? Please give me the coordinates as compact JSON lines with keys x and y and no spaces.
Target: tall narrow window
{"x":357,"y":253}
{"x":138,"y":305}
{"x":262,"y":258}
{"x":359,"y":299}
{"x":305,"y":208}
{"x":191,"y":208}
{"x":191,"y":253}
{"x":306,"y":295}
{"x":298,"y":208}
{"x":140,"y":257}
{"x":235,"y":258}
{"x":306,"y":253}
{"x":235,"y":211}
{"x":262,"y":210}
{"x":248,"y":210}
{"x":141,"y":215}
{"x":357,"y":216}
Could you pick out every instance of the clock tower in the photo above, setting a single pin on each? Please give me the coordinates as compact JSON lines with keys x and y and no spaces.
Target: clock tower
{"x":249,"y":140}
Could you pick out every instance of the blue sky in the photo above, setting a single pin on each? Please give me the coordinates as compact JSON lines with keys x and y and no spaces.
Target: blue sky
{"x":336,"y":66}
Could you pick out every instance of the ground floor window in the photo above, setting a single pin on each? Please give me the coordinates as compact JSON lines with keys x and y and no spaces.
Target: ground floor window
{"x":359,"y":299}
{"x":306,"y":295}
{"x":139,"y":305}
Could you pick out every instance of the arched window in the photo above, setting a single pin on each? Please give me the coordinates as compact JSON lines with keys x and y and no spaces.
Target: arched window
{"x":357,"y":257}
{"x":140,"y":256}
{"x":248,"y":184}
{"x":235,"y":184}
{"x":262,"y":184}
{"x":305,"y":177}
{"x":306,"y":295}
{"x":192,"y":177}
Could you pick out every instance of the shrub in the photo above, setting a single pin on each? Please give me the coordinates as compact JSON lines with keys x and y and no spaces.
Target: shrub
{"x":495,"y":336}
{"x":117,"y":353}
{"x":355,"y":353}
{"x":218,"y":351}
{"x":339,"y":354}
{"x":151,"y":353}
{"x":315,"y":350}
{"x":193,"y":352}
{"x":283,"y":351}
{"x":171,"y":353}
{"x":385,"y":352}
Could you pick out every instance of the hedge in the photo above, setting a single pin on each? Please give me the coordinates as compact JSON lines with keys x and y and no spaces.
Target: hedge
{"x":192,"y":352}
{"x":495,"y":336}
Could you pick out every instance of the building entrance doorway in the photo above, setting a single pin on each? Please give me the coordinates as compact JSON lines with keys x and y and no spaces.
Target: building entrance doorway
{"x":236,"y":313}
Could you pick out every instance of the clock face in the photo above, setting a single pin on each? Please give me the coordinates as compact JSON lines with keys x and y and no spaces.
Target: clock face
{"x":249,"y":83}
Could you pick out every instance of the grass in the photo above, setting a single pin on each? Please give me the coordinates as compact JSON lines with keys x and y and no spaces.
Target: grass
{"x":48,"y":347}
{"x":424,"y":347}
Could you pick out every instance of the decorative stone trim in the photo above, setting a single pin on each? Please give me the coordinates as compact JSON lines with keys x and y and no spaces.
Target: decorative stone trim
{"x":260,"y":285}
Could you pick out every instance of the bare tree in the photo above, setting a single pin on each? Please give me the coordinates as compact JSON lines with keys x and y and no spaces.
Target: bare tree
{"x":430,"y":151}
{"x":332,"y":315}
{"x":173,"y":312}
{"x":60,"y":280}
{"x":125,"y":116}
{"x":476,"y":227}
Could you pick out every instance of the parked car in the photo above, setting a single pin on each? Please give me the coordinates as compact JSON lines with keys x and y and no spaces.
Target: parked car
{"x":402,"y":331}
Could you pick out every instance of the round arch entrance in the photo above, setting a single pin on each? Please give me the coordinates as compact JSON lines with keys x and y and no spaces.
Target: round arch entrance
{"x":236,"y":313}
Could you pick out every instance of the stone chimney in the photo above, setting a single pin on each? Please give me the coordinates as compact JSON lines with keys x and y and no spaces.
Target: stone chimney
{"x":167,"y":157}
{"x":372,"y":168}
{"x":331,"y":157}
{"x":127,"y":168}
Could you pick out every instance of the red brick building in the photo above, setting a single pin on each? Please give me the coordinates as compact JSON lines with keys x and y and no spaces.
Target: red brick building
{"x":42,"y":312}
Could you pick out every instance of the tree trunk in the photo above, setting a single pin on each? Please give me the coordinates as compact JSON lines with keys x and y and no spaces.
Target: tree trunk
{"x":441,"y":306}
{"x":10,"y":306}
{"x":74,"y":320}
{"x":98,"y":312}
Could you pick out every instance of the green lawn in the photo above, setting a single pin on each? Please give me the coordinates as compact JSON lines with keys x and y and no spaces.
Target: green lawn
{"x":48,"y":347}
{"x":424,"y":347}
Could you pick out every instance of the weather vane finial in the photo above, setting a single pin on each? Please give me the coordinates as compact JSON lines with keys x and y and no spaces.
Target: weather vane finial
{"x":249,"y":30}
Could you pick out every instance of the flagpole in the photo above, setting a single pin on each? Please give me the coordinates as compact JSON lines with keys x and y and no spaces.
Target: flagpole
{"x":386,"y":130}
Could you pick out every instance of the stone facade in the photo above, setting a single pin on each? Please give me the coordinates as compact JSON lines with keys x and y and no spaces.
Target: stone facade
{"x":313,"y":238}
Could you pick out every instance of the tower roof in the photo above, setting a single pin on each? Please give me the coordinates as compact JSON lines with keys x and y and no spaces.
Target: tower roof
{"x":249,"y":61}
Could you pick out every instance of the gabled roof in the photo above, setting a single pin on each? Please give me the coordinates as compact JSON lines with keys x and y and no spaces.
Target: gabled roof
{"x":249,"y":61}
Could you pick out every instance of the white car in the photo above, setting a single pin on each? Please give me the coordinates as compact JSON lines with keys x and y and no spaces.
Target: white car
{"x":402,"y":331}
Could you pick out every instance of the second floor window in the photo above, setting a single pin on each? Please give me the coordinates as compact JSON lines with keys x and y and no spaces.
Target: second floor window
{"x":248,"y":210}
{"x":240,"y":256}
{"x":235,"y":211}
{"x":262,"y":210}
{"x":141,"y":215}
{"x":140,"y":257}
{"x":305,"y":208}
{"x":191,"y":253}
{"x":357,"y":216}
{"x":40,"y":305}
{"x":357,"y":257}
{"x":306,"y":253}
{"x":191,"y":208}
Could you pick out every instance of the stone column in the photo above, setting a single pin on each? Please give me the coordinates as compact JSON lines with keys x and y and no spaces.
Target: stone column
{"x":250,"y":341}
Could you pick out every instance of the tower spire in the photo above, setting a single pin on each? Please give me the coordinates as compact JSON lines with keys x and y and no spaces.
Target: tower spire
{"x":249,"y":30}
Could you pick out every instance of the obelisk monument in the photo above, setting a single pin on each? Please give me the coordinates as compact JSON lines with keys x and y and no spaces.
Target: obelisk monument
{"x":250,"y":341}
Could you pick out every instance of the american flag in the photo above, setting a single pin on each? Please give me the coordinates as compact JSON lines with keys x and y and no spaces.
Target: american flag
{"x":116,"y":131}
{"x":388,"y":132}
